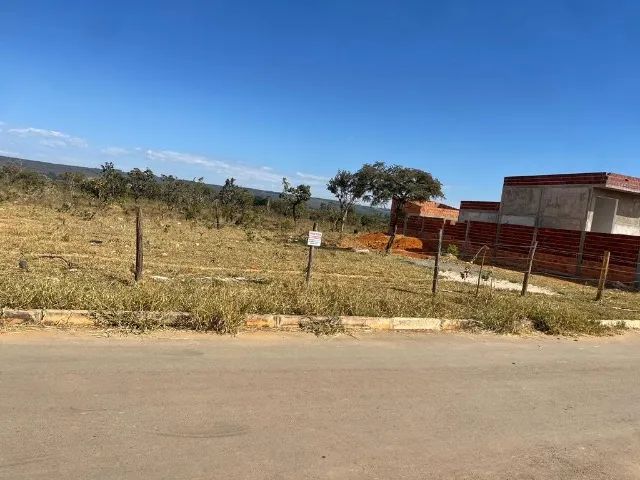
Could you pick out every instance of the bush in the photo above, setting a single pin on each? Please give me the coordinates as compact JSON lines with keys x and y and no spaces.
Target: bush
{"x":17,"y":178}
{"x":452,"y":249}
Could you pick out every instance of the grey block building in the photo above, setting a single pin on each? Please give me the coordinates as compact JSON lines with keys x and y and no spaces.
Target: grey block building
{"x":590,"y":202}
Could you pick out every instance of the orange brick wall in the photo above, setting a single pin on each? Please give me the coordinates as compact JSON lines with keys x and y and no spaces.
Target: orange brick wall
{"x":424,"y":209}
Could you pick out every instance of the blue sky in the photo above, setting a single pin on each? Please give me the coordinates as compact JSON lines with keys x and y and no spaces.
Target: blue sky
{"x":470,"y":91}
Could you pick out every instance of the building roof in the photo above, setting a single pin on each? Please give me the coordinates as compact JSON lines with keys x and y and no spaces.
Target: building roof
{"x":614,"y":181}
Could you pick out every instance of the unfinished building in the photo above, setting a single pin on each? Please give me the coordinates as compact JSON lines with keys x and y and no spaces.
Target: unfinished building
{"x":573,"y":218}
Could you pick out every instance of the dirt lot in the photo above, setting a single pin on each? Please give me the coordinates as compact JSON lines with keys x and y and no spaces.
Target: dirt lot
{"x":77,"y":260}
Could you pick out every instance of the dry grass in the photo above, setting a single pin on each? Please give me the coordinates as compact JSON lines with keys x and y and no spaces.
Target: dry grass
{"x":322,"y":326}
{"x":198,"y":261}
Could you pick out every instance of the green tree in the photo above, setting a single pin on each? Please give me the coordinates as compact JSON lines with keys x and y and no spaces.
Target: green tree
{"x":348,"y":188}
{"x":195,"y":197}
{"x":295,"y":197}
{"x":170,"y":191}
{"x":328,"y":214}
{"x":71,"y":181}
{"x":108,"y":186}
{"x":374,"y":221}
{"x":399,"y":185}
{"x":142,"y":184}
{"x":232,"y":202}
{"x":26,"y":180}
{"x":190,"y":198}
{"x":15,"y":180}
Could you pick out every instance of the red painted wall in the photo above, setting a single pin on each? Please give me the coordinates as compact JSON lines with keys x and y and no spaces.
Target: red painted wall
{"x":558,"y":251}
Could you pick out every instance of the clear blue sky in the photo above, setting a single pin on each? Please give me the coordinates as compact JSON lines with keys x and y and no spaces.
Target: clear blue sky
{"x":468,"y":90}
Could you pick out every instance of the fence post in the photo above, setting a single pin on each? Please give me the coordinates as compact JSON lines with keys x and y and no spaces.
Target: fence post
{"x":139,"y":255}
{"x":436,"y":265}
{"x":312,"y":250}
{"x":580,"y":257}
{"x":484,"y":252}
{"x":637,"y":282}
{"x":527,"y":273}
{"x":466,"y":237}
{"x":604,"y":270}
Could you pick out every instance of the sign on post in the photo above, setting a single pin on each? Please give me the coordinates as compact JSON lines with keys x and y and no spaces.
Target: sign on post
{"x":315,"y":238}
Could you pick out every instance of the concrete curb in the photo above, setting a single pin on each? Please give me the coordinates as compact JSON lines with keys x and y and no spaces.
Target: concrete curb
{"x":84,"y":318}
{"x":356,"y":323}
{"x":632,"y":324}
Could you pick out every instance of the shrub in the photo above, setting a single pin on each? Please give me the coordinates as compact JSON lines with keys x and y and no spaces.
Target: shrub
{"x":452,"y":249}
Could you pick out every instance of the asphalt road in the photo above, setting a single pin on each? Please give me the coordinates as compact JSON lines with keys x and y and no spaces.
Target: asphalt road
{"x":290,"y":406}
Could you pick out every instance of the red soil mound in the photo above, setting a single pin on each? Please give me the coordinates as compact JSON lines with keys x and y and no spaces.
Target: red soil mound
{"x":377,"y":241}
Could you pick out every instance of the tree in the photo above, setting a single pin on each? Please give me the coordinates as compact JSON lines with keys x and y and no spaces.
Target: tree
{"x":399,"y":185}
{"x":348,"y":188}
{"x":170,"y":190}
{"x":369,"y":221}
{"x":29,"y":181}
{"x":295,"y":197}
{"x":327,"y":213}
{"x":71,"y":181}
{"x":194,"y":197}
{"x":108,"y":186}
{"x":188,"y":197}
{"x":14,"y":178}
{"x":232,"y":202}
{"x":142,"y":184}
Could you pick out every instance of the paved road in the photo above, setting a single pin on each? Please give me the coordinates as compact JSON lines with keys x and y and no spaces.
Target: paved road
{"x":290,"y":406}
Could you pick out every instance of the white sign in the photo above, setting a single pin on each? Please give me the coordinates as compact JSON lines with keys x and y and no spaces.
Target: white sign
{"x":315,"y":239}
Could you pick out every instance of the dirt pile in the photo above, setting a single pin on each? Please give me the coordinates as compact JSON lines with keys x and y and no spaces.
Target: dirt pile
{"x":378,"y":240}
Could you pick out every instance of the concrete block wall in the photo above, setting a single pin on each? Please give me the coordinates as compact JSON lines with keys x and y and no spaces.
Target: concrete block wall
{"x":627,"y":217}
{"x":551,"y":206}
{"x":568,"y":202}
{"x":479,"y":211}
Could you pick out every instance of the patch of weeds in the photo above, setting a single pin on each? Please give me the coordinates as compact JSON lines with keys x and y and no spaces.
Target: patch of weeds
{"x":515,"y":315}
{"x":452,"y":249}
{"x":220,"y":317}
{"x":322,"y":326}
{"x":555,"y":320}
{"x":132,"y":322}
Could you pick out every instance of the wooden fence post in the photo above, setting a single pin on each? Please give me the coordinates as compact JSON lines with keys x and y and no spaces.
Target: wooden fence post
{"x":312,"y":250}
{"x":139,"y":255}
{"x":392,"y":238}
{"x":604,"y":270}
{"x":527,"y":273}
{"x":466,"y":238}
{"x":484,"y":252}
{"x":436,"y":266}
{"x":580,"y":256}
{"x":637,"y":282}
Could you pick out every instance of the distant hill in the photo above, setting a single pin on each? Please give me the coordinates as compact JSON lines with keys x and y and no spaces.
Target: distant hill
{"x":52,"y":170}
